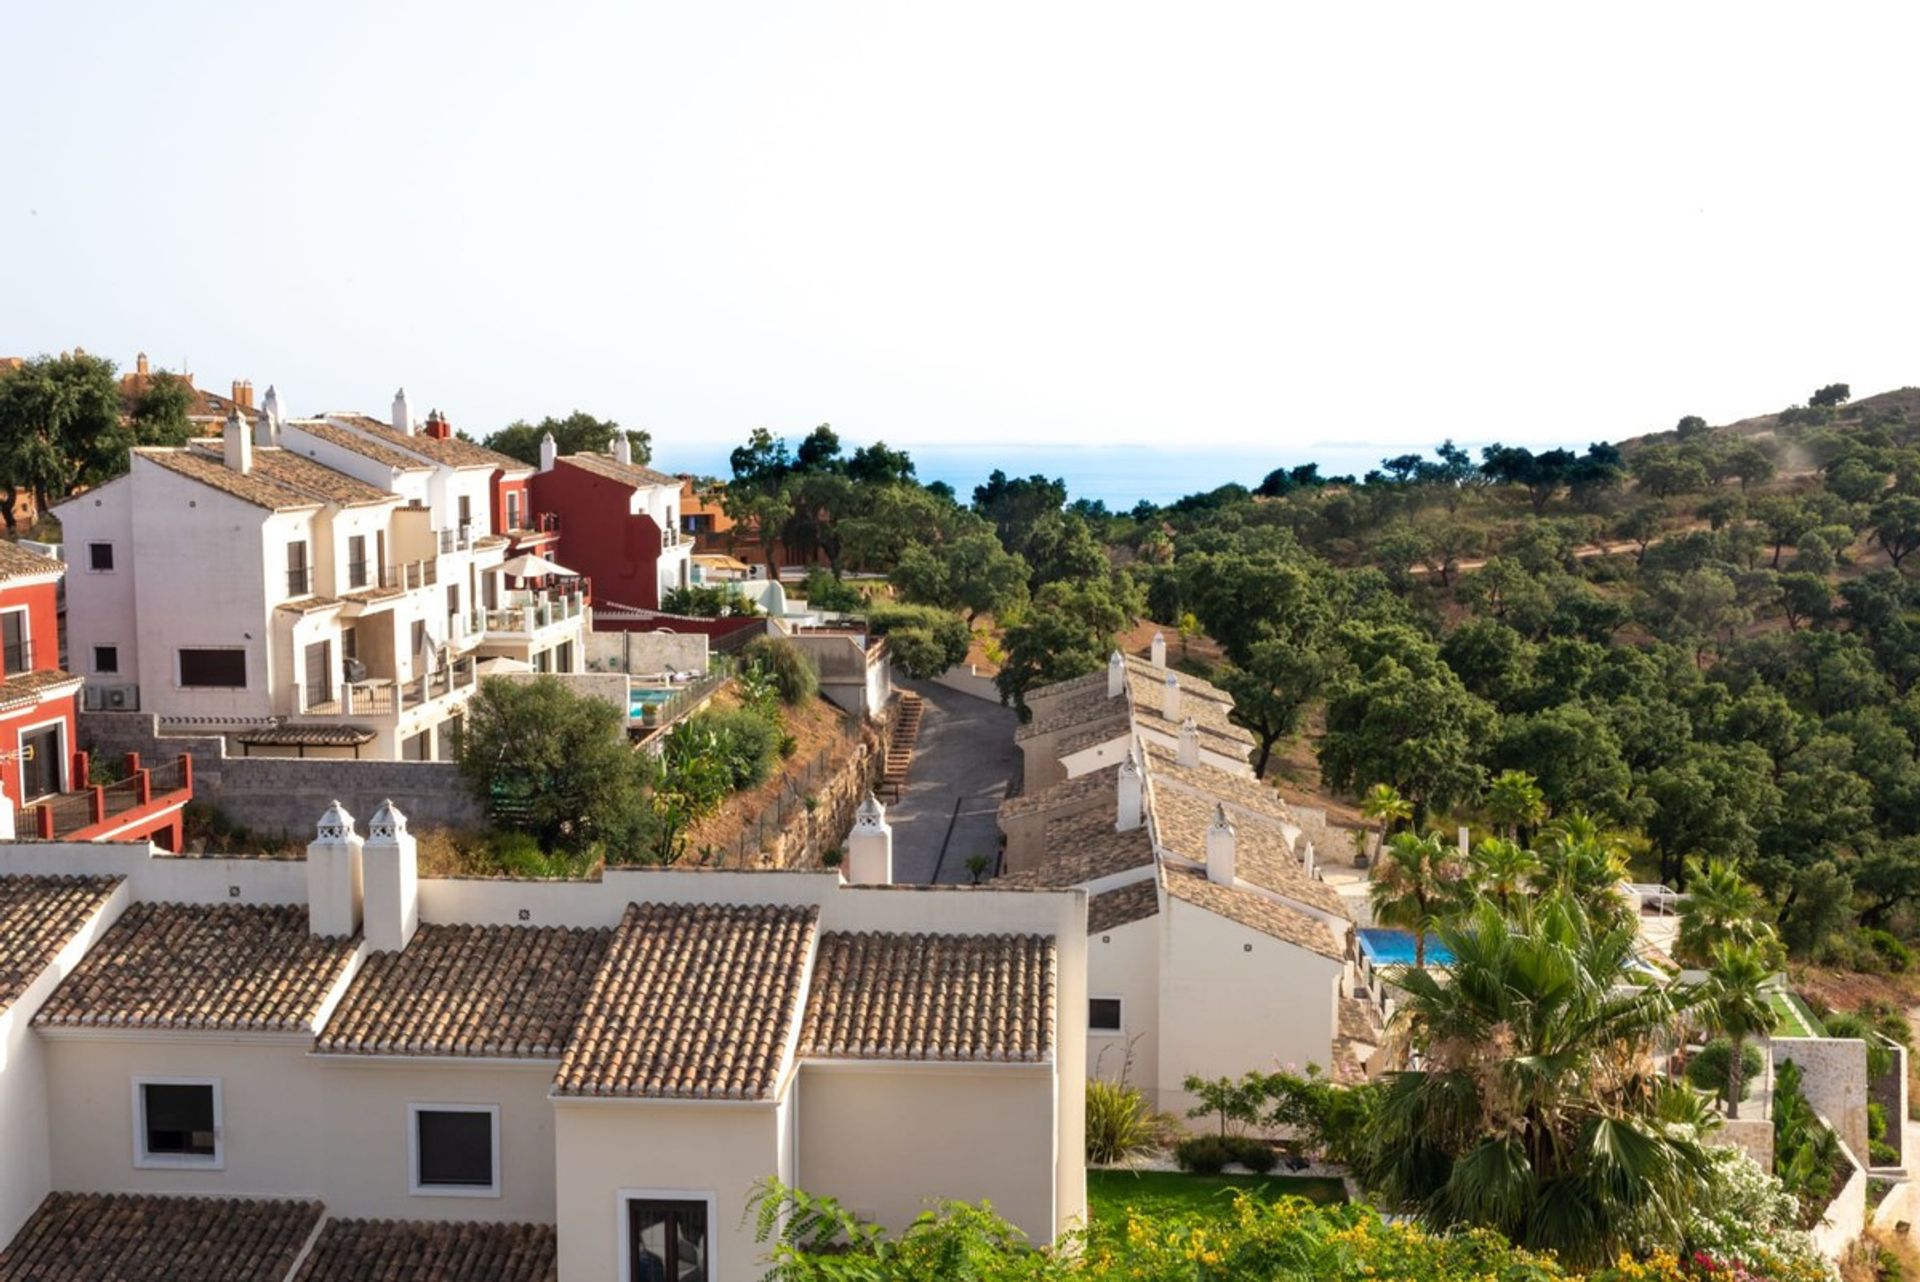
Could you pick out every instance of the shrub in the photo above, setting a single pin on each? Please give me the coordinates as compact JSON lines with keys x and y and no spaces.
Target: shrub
{"x":1203,"y":1154}
{"x":822,"y":591}
{"x":745,"y":742}
{"x":943,"y":629}
{"x":555,"y":764}
{"x":1898,"y":956}
{"x":1255,"y":1154}
{"x":1117,"y":1121}
{"x":918,"y":653}
{"x":1708,"y":1069}
{"x":1881,"y":1153}
{"x":780,"y":661}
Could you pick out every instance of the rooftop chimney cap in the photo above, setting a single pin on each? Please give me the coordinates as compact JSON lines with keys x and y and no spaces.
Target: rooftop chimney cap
{"x":336,"y":824}
{"x":1173,"y":681}
{"x":871,"y":813}
{"x":387,"y":821}
{"x":1131,"y":766}
{"x":1220,"y":821}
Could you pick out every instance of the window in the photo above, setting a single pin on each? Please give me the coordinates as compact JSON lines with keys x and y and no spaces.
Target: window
{"x":513,"y":509}
{"x":16,"y":644}
{"x":357,"y":561}
{"x":299,"y":578}
{"x":466,"y":509}
{"x":106,"y":659}
{"x":100,"y":557}
{"x":176,"y":1122}
{"x":666,"y":1240}
{"x":454,"y":1150}
{"x":420,"y":638}
{"x":417,"y":747}
{"x":1103,"y":1015}
{"x":213,"y":669}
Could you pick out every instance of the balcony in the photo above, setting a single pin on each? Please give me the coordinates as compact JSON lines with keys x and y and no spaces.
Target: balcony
{"x":384,"y":697}
{"x":120,"y":809}
{"x":300,"y":582}
{"x":403,"y":576}
{"x":457,"y":540}
{"x":17,"y":656}
{"x":526,"y":613}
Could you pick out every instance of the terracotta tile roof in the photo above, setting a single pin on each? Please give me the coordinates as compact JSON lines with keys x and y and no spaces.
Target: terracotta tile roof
{"x":441,"y":1251}
{"x":1111,"y":909}
{"x":1251,"y":909}
{"x":1068,"y":792}
{"x":1099,"y":732}
{"x":306,"y":476}
{"x":249,"y":487}
{"x":1072,"y":685}
{"x":30,"y":688}
{"x":38,"y":916}
{"x":508,"y":991}
{"x":309,"y":604}
{"x":694,"y":1001}
{"x":364,"y":446}
{"x":450,"y":450}
{"x":1083,"y":847}
{"x":614,"y":470}
{"x":931,"y":997}
{"x":1205,"y":703}
{"x":1262,"y":854}
{"x":1242,"y":793}
{"x":218,"y":966}
{"x":17,"y":562}
{"x":305,"y":736}
{"x":107,"y":1237}
{"x":1074,"y":711}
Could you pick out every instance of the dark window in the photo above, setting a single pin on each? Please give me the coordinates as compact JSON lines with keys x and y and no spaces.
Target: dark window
{"x":419,"y":636}
{"x":213,"y":669}
{"x":417,"y":747}
{"x":513,"y":509}
{"x":16,"y":645}
{"x":319,"y":672}
{"x":455,"y":1148}
{"x":466,"y":510}
{"x":357,"y":561}
{"x":667,"y":1241}
{"x":99,"y":556}
{"x":1103,"y":1014}
{"x":106,"y":658}
{"x":177,"y":1121}
{"x":299,"y":578}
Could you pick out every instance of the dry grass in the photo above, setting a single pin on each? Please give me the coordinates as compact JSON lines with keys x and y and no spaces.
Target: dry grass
{"x":816,"y":727}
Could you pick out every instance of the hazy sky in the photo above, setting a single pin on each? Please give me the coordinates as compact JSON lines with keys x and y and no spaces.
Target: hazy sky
{"x":1255,"y":224}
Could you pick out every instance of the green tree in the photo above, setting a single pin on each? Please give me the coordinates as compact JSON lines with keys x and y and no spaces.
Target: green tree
{"x":1818,"y":905}
{"x":1503,"y":870}
{"x":1417,"y":881}
{"x":1529,"y":1113}
{"x":1067,"y":632}
{"x":972,"y":573}
{"x":1735,"y":1001}
{"x":1271,"y":693}
{"x":1514,"y":801}
{"x":60,"y":428}
{"x":1896,"y":526}
{"x":555,"y":764}
{"x":160,"y":414}
{"x":1833,"y":394}
{"x":1722,"y":908}
{"x":1400,"y":716}
{"x":1664,"y":472}
{"x":577,"y":433}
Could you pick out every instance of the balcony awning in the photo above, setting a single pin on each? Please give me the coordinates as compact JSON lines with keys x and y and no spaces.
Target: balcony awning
{"x":306,"y":736}
{"x":531,"y":565}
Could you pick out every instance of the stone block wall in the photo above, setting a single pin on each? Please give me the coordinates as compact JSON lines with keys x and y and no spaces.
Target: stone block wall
{"x":1833,"y":1077}
{"x":647,"y":653}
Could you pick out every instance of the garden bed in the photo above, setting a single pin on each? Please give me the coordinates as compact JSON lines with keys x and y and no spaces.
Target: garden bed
{"x":823,"y":740}
{"x":1110,"y":1194}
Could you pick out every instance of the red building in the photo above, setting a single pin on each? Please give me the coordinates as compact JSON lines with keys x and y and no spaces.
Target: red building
{"x":619,"y":524}
{"x":48,"y":781}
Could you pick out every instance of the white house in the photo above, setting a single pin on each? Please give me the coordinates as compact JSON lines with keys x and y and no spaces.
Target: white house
{"x":295,"y":586}
{"x":1214,"y":947}
{"x":513,"y":1079}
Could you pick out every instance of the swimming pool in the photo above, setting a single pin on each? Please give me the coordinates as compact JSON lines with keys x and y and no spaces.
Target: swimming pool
{"x":1385,"y":947}
{"x":638,"y":701}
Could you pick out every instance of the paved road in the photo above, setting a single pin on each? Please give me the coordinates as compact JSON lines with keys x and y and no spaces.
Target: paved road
{"x":961,"y":767}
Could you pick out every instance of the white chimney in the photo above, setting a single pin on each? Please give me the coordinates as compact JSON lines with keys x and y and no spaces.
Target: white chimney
{"x":1189,"y":751}
{"x":870,"y":846}
{"x":402,"y":413}
{"x":1170,"y":699}
{"x":1220,"y":848}
{"x":548,"y":452}
{"x":1116,"y":674}
{"x":266,"y":428}
{"x":1159,"y":649}
{"x":333,"y":875}
{"x":1132,"y":795}
{"x":622,"y":449}
{"x":238,"y":441}
{"x":392,"y":881}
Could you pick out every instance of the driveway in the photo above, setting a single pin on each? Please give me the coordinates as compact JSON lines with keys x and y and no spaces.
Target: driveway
{"x":962,"y":764}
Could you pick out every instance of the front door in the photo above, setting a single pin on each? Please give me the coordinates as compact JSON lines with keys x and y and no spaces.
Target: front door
{"x":39,"y":763}
{"x":667,"y":1241}
{"x":319,"y":673}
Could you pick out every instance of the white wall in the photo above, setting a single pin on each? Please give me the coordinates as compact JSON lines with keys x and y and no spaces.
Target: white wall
{"x":1233,"y":999}
{"x":100,"y":606}
{"x":1124,"y":962}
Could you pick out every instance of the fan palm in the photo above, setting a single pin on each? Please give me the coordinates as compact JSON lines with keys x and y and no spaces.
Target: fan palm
{"x":1503,"y":869}
{"x":1534,"y":1109}
{"x":1418,"y":880}
{"x":1383,"y":805}
{"x":1514,"y":801}
{"x":1588,"y":862}
{"x":1736,"y":1000}
{"x":1721,"y":907}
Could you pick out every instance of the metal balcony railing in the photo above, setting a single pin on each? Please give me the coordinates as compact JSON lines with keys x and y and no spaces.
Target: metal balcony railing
{"x":18,"y":657}
{"x":299,"y":582}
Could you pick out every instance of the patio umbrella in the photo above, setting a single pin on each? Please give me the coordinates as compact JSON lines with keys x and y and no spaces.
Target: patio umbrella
{"x":531,"y":565}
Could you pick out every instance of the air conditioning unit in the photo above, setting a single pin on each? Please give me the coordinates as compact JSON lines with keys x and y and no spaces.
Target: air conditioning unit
{"x":122,"y":698}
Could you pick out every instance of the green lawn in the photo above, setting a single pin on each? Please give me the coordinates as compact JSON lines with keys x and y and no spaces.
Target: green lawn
{"x":1110,"y":1193}
{"x":1795,"y":1019}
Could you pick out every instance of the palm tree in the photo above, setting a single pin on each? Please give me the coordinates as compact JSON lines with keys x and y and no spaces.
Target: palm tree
{"x":1588,"y":862}
{"x":1382,"y":804}
{"x":1418,"y":879}
{"x":1503,"y":869}
{"x":1736,"y":1001}
{"x":1514,"y":801}
{"x":1721,"y":907}
{"x":1535,"y":1109}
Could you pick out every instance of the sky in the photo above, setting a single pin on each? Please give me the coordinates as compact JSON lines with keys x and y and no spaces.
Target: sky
{"x":1274,"y":229}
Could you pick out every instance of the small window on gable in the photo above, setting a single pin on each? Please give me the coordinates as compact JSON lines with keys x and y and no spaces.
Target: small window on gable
{"x":100,"y":556}
{"x":1103,"y":1015}
{"x":455,"y":1150}
{"x":177,"y":1122}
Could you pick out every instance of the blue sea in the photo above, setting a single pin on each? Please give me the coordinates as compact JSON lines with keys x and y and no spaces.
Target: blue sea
{"x":1118,"y":475}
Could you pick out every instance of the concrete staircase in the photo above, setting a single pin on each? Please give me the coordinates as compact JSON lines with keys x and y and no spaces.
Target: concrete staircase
{"x":906,"y":729}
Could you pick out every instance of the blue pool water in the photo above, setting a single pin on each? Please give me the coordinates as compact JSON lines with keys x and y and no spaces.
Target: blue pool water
{"x":1395,"y":947}
{"x":639,"y":700}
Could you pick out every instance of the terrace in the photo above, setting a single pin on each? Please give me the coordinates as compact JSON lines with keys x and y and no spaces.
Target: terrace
{"x":144,"y":801}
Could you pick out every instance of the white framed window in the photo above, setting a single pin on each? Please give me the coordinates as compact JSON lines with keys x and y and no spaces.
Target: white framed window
{"x":667,"y":1233}
{"x":177,"y":1124}
{"x":453,"y":1150}
{"x":1105,"y":1015}
{"x":100,"y":558}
